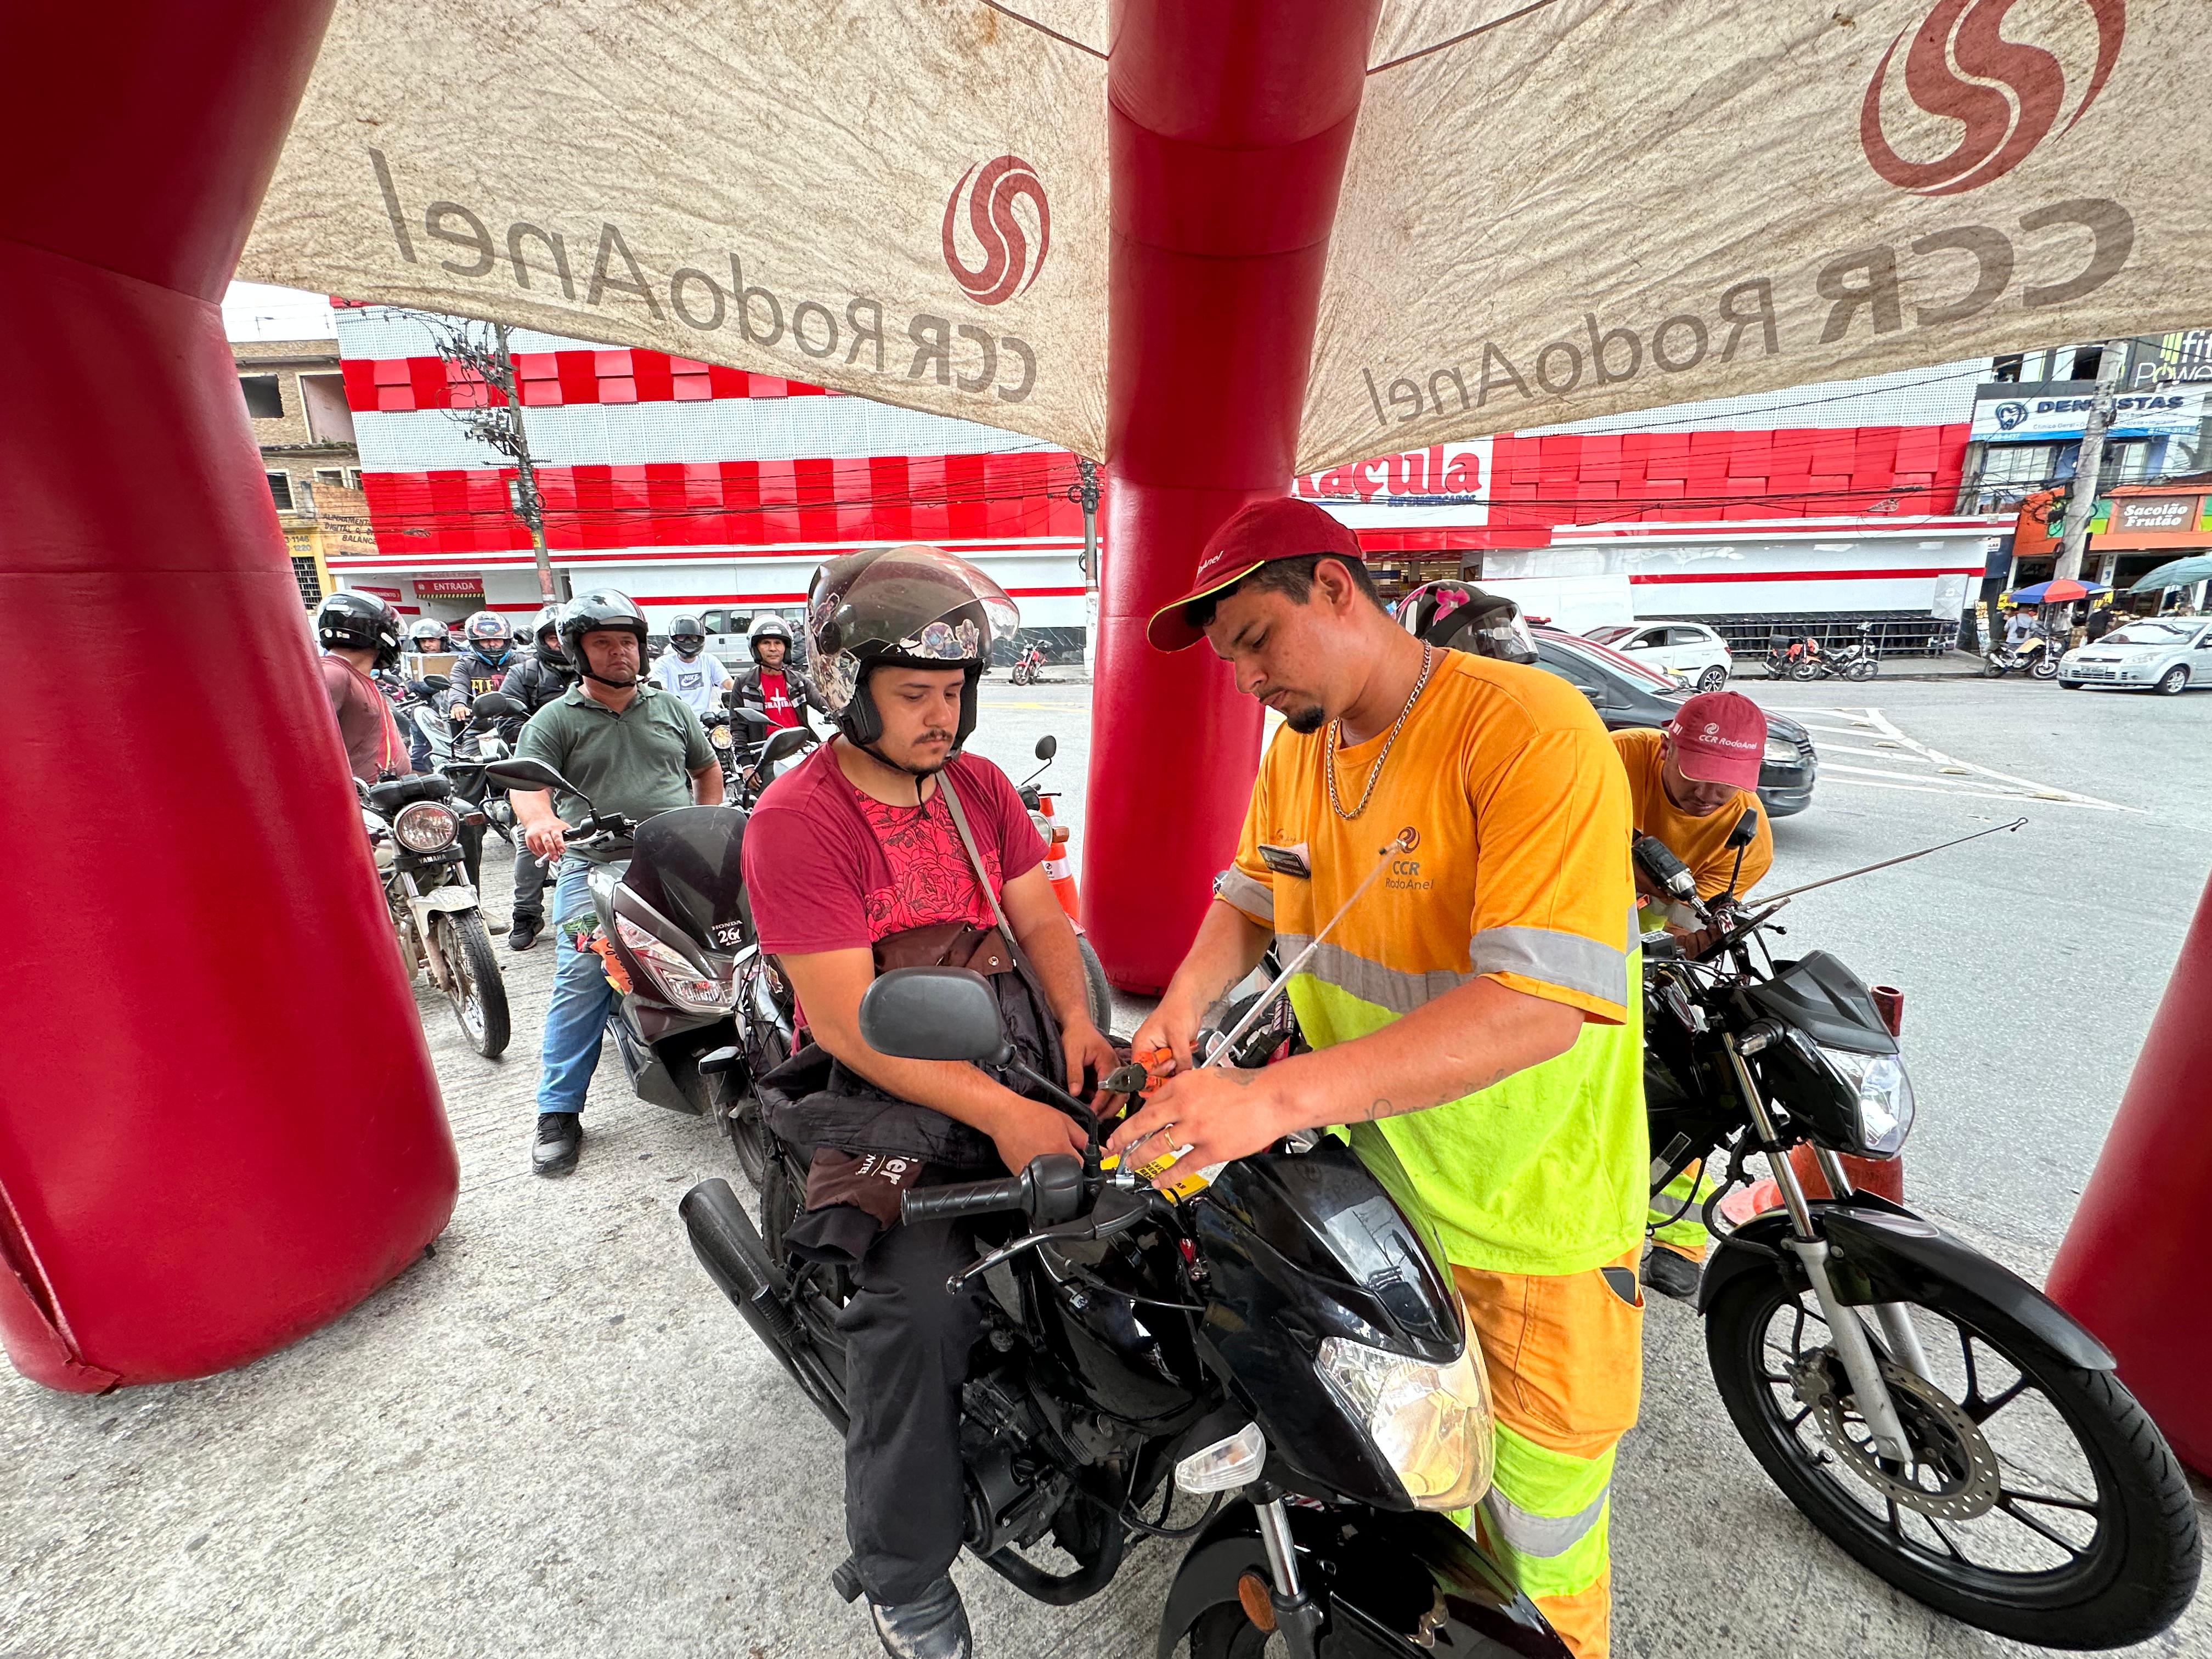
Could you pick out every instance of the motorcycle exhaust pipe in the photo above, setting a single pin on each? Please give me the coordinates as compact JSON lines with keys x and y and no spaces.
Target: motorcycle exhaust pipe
{"x":729,"y":1247}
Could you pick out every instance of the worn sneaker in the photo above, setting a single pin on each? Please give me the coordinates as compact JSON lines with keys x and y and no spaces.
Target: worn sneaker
{"x":560,"y":1138}
{"x":526,"y":930}
{"x":1671,"y":1274}
{"x":933,"y":1627}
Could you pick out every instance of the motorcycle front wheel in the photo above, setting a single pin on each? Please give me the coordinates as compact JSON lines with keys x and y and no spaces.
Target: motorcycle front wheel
{"x":2042,"y":1505}
{"x":1807,"y":670}
{"x":2047,"y":668}
{"x":1864,"y":669}
{"x":473,"y":983}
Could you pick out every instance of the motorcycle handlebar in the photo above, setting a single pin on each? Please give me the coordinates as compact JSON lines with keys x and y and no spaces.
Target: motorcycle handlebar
{"x":967,"y":1198}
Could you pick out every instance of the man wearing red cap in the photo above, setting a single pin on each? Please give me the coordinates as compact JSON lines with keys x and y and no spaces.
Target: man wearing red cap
{"x":1691,"y":784}
{"x":1476,"y":1010}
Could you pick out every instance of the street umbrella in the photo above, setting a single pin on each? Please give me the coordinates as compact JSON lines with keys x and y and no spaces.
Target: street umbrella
{"x":2177,"y":573}
{"x":2064,"y":590}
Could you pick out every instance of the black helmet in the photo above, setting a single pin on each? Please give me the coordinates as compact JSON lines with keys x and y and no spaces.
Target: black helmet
{"x":489,"y":635}
{"x":427,"y":636}
{"x":686,"y":630}
{"x":1461,"y":616}
{"x":908,"y":607}
{"x":588,"y":613}
{"x":352,"y":621}
{"x":546,"y":631}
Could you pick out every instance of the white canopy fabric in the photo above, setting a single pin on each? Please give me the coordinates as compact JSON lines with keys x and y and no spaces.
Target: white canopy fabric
{"x":1552,"y":210}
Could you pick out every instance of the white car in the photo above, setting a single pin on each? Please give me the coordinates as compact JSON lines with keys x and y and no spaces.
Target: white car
{"x":1688,"y":651}
{"x":2167,"y":655}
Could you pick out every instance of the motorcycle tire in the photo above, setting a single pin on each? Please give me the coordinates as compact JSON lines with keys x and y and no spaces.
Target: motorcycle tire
{"x":2128,"y":1582}
{"x":474,"y":973}
{"x":1805,"y":670}
{"x":1226,"y":1632}
{"x":748,"y":1134}
{"x":1992,"y":671}
{"x":1098,"y":994}
{"x":1864,"y":669}
{"x":2047,"y":668}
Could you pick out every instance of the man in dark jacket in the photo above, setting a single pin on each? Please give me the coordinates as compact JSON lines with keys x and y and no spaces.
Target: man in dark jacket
{"x":541,"y":677}
{"x":772,"y":685}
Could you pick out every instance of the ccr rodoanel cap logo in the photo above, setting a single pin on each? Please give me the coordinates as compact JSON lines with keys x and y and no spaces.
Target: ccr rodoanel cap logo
{"x":1007,"y":268}
{"x":2007,"y":94}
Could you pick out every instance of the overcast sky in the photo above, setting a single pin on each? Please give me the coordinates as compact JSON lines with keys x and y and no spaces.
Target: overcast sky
{"x":255,"y":311}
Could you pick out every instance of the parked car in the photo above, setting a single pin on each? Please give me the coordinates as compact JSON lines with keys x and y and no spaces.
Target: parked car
{"x":2163,"y":655}
{"x":1627,"y":694}
{"x":1689,"y":652}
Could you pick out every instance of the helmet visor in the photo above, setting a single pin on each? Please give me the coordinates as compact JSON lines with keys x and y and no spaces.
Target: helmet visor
{"x":917,"y":602}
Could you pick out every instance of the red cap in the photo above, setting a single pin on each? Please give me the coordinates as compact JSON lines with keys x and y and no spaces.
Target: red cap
{"x":1720,"y":738}
{"x":1283,"y":528}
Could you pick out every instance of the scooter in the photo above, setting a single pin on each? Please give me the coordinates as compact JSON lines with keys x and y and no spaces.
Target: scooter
{"x":2037,"y":655}
{"x":414,"y":832}
{"x":670,"y":924}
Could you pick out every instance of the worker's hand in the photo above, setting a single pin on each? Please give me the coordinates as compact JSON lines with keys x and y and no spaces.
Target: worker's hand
{"x":1162,"y":1044}
{"x":1217,"y":1114}
{"x":1087,"y":1049}
{"x":549,"y":839}
{"x":1029,"y":1129}
{"x":458,"y":713}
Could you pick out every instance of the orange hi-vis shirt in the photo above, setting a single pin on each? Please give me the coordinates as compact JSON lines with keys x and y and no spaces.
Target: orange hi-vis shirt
{"x":1701,"y":843}
{"x":1519,"y":872}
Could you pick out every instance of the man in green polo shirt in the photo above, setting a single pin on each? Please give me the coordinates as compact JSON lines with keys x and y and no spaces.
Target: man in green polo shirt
{"x":635,"y":750}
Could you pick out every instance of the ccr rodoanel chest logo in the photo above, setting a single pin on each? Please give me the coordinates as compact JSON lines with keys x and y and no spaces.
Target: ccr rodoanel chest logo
{"x":993,"y":194}
{"x":2007,"y":94}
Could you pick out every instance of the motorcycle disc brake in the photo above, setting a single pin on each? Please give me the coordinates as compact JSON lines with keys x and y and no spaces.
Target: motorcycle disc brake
{"x":1955,"y":1475}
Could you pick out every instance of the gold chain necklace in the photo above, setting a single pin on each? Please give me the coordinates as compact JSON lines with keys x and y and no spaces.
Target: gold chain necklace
{"x":1373,"y":772}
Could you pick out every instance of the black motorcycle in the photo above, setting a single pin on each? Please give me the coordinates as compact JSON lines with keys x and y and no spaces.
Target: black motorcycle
{"x":1290,"y":1336}
{"x":751,"y":766}
{"x":672,"y":926}
{"x":1934,"y":1414}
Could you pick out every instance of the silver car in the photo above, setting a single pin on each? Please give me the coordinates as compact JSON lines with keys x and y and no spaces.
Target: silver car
{"x":2167,"y":655}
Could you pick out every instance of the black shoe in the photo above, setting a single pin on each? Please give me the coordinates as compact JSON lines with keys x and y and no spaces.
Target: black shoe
{"x":933,"y":1627}
{"x":560,"y":1138}
{"x":1672,"y":1273}
{"x":526,"y":930}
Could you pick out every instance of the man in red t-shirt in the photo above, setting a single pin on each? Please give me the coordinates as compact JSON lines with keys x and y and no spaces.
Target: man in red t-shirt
{"x":852,"y":849}
{"x":360,"y":635}
{"x":772,"y":685}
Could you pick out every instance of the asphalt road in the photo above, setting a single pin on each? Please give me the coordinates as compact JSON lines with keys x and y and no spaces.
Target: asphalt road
{"x":556,"y":1438}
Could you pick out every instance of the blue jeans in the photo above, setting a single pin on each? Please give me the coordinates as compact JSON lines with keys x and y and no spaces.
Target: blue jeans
{"x":577,"y":1017}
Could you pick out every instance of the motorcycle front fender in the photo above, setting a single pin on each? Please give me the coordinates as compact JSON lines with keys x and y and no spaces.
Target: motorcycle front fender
{"x":1411,"y":1584}
{"x":453,"y":900}
{"x":1896,"y":1256}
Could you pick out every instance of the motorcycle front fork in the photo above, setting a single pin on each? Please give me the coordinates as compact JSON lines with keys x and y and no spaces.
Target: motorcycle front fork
{"x":1296,"y":1615}
{"x":1853,"y":1348}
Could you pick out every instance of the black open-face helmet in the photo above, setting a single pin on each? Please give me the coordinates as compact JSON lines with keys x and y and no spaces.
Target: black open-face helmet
{"x":588,"y":613}
{"x":353,"y":621}
{"x":906,"y":607}
{"x":1461,"y":616}
{"x":545,"y":632}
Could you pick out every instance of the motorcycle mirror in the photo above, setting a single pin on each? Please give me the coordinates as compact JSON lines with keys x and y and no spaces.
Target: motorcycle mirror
{"x":1048,"y":746}
{"x":751,"y":711}
{"x":932,"y":1013}
{"x":519,"y":772}
{"x":1746,"y":828}
{"x":439,"y":681}
{"x":496,"y":705}
{"x":785,"y":743}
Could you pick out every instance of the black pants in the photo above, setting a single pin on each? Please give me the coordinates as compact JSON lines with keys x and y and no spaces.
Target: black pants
{"x":472,"y":837}
{"x":530,"y":879}
{"x":906,"y":1356}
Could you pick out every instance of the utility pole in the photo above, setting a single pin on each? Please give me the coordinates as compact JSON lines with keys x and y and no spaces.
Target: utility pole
{"x":485,"y":356}
{"x":2088,"y":467}
{"x":1084,"y":492}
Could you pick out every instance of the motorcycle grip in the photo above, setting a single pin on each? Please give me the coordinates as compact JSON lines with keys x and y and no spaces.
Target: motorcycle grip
{"x":965,"y":1198}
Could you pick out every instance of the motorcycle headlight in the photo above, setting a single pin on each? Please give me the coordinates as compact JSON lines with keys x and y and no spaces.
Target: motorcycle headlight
{"x":719,"y":736}
{"x":674,"y":973}
{"x":1043,"y":827}
{"x":1433,"y":1424}
{"x":1885,"y":1094}
{"x":426,"y":826}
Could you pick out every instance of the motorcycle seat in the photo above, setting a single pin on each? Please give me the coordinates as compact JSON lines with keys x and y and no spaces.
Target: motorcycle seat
{"x":389,"y":797}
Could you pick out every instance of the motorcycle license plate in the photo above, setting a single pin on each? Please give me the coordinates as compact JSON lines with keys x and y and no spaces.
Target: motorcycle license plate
{"x":487,"y":745}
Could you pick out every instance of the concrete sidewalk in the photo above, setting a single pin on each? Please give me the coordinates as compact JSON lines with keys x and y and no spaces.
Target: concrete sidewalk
{"x":1951,"y":665}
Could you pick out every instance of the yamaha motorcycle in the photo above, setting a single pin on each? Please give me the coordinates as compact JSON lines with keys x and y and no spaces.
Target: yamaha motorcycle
{"x":1286,"y":1345}
{"x":415,"y":833}
{"x":1932,"y":1412}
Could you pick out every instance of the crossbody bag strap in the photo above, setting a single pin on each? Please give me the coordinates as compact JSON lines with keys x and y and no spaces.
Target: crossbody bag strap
{"x":975,"y":859}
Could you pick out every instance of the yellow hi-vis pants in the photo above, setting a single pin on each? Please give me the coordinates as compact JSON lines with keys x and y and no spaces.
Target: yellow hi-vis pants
{"x":1565,"y":1358}
{"x":1687,"y":1235}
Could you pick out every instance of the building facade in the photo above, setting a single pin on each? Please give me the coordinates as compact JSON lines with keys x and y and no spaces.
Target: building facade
{"x":295,"y":395}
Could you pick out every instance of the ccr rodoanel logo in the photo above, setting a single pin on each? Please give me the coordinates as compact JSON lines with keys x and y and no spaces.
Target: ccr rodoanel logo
{"x":2007,"y":93}
{"x":992,"y":194}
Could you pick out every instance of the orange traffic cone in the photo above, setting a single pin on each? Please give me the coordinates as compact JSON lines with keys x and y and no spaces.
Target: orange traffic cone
{"x":1059,"y":869}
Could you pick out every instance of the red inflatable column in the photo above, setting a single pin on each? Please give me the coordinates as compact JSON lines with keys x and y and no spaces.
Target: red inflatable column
{"x":218,"y":1124}
{"x":2132,"y":1266}
{"x":1228,"y":126}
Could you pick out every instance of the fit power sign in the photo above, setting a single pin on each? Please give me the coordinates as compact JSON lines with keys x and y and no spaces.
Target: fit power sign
{"x":1552,"y":211}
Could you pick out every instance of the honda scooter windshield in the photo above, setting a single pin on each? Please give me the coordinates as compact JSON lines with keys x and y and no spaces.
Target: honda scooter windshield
{"x":686,"y":864}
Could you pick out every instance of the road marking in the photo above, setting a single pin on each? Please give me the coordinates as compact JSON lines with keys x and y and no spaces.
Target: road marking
{"x":1898,"y":748}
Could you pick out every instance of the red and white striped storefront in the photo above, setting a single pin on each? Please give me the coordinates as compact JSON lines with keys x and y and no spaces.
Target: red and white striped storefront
{"x":686,"y":486}
{"x":690,"y":487}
